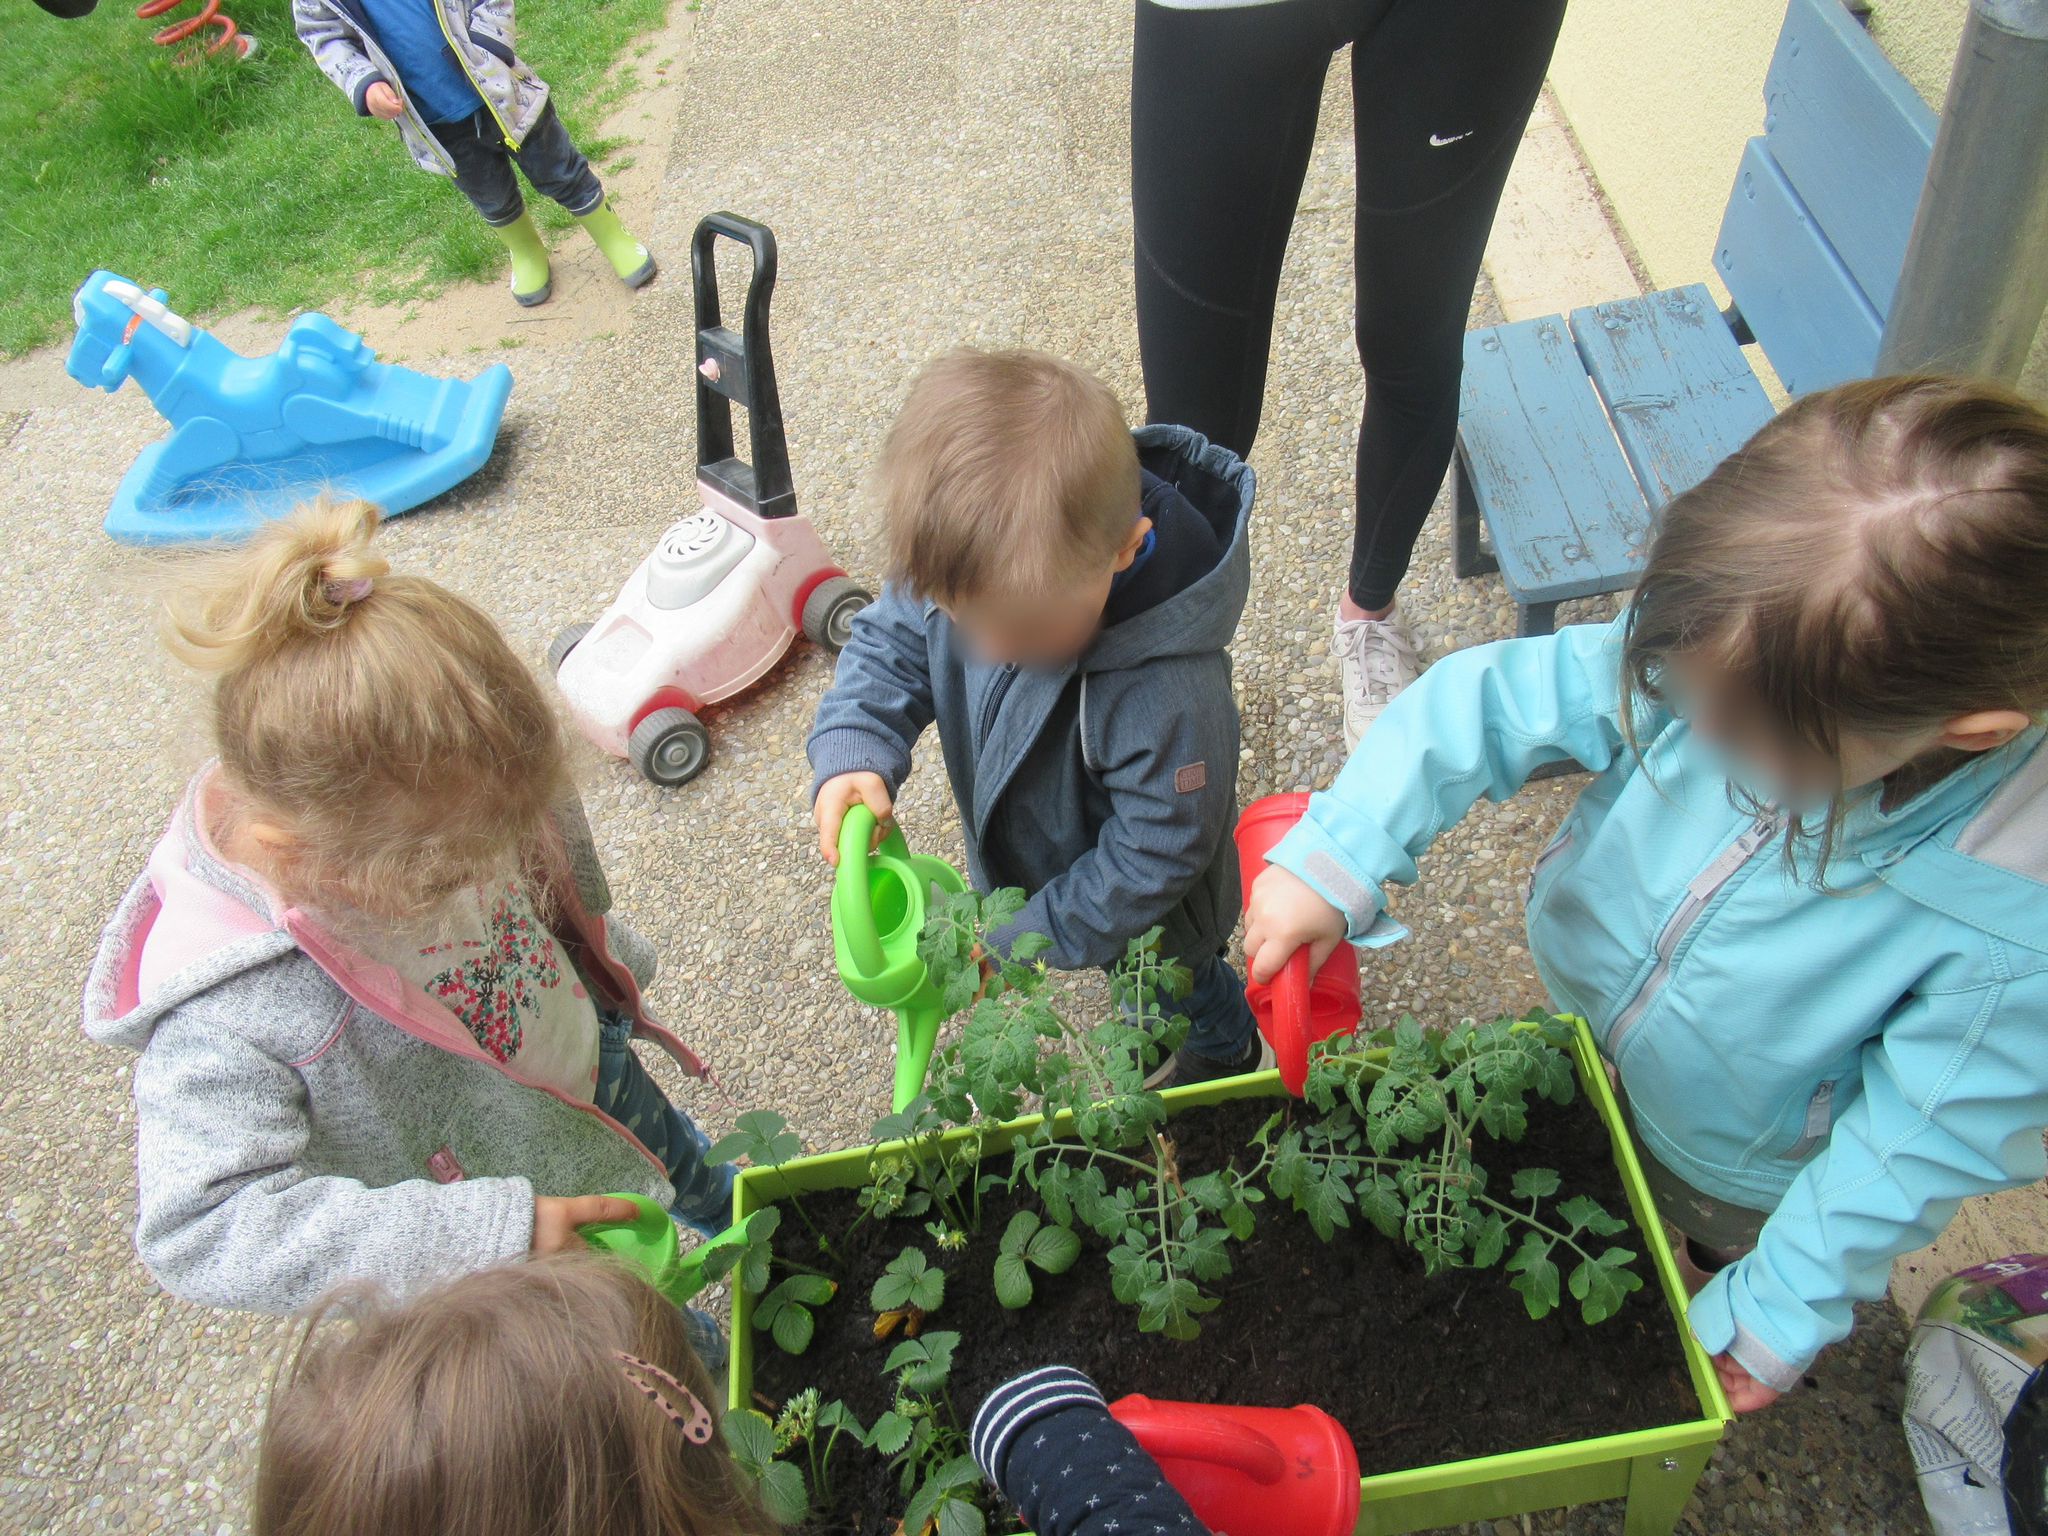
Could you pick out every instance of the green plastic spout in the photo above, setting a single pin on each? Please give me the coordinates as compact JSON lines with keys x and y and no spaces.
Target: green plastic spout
{"x":879,"y":899}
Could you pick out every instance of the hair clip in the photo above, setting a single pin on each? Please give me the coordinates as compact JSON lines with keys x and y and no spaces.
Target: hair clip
{"x":346,"y":592}
{"x":696,"y":1424}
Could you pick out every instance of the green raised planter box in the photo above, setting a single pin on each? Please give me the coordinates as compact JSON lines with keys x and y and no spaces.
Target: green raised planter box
{"x":1654,"y":1468}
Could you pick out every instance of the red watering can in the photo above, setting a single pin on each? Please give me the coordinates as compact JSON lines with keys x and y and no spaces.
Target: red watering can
{"x":1294,"y":1009}
{"x":1251,"y":1471}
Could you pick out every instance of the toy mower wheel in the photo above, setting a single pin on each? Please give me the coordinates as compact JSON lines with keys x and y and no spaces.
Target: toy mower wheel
{"x":669,"y":747}
{"x":829,"y":611}
{"x":567,"y":641}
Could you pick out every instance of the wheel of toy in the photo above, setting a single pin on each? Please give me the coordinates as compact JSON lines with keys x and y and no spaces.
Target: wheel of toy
{"x":829,"y":611}
{"x":567,"y":641}
{"x":669,"y":747}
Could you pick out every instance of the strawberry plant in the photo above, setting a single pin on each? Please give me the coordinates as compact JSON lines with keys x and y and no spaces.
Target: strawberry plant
{"x":908,"y":1292}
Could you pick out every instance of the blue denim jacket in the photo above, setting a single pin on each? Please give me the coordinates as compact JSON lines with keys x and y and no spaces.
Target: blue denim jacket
{"x":1116,"y":774}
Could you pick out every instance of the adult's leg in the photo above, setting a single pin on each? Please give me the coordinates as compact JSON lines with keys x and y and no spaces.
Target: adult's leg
{"x":1223,"y":115}
{"x":1442,"y":90}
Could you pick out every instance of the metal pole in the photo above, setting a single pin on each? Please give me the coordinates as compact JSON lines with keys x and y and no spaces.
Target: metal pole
{"x":1975,"y":281}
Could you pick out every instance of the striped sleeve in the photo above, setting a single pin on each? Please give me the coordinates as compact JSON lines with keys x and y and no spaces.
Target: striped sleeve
{"x":1048,"y":1441}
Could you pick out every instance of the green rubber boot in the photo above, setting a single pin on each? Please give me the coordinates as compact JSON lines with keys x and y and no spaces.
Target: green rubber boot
{"x":531,"y":280}
{"x":628,"y":256}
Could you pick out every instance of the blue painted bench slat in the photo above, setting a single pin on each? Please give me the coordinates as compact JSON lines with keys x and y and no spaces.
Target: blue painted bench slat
{"x":1676,"y":385}
{"x":1537,"y":457}
{"x":1852,"y":137}
{"x":1816,"y":326}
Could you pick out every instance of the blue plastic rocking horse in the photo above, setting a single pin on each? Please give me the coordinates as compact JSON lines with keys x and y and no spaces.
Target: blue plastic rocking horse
{"x":252,"y":437}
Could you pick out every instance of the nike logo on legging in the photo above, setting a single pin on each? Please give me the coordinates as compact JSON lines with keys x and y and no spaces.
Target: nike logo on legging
{"x":1438,"y":140}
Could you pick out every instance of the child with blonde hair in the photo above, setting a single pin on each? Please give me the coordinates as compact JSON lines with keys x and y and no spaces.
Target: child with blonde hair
{"x":529,"y":1400}
{"x":382,"y":1023}
{"x":1804,"y":900}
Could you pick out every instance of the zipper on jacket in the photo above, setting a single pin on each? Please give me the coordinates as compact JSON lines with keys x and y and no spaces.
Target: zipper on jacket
{"x":1546,"y":858}
{"x":478,"y":85}
{"x":1820,"y":1116}
{"x":1706,"y":885}
{"x":996,"y":691}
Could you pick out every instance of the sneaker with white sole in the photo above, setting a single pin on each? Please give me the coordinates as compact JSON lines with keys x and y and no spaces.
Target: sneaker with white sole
{"x":1185,"y":1068}
{"x":1377,"y":659}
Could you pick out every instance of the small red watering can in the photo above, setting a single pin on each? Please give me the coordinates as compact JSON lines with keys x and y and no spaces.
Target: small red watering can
{"x":1294,"y":1009}
{"x":1251,"y":1471}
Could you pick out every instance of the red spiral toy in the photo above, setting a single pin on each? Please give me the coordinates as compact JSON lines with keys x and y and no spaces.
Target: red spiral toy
{"x":209,"y":16}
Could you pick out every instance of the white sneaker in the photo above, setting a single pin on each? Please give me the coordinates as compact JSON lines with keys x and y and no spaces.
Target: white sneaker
{"x":1377,"y":659}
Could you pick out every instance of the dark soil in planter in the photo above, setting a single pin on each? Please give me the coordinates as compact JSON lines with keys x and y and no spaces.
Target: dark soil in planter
{"x":1419,"y":1370}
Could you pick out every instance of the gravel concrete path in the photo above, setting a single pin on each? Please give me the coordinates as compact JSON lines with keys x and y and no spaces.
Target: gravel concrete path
{"x":936,"y":173}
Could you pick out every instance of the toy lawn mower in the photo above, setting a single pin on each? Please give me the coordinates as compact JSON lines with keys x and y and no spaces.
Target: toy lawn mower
{"x":727,"y":588}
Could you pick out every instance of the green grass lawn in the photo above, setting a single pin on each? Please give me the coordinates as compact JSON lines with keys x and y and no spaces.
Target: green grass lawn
{"x":252,"y":182}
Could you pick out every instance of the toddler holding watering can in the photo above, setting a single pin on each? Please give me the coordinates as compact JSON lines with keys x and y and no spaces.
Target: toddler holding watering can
{"x":382,"y":1025}
{"x":577,"y":1373}
{"x":1804,"y":901}
{"x":1061,"y":601}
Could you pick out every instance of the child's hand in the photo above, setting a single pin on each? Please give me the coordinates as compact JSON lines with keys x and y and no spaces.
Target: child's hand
{"x":844,"y":790}
{"x":1745,"y":1393}
{"x":384,"y":102}
{"x":556,"y":1218}
{"x":1284,"y":914}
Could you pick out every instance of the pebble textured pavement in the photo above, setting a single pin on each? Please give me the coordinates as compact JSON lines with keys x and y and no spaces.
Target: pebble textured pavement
{"x":936,"y":174}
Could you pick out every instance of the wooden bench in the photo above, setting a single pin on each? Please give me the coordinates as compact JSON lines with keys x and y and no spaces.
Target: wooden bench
{"x":1575,"y":430}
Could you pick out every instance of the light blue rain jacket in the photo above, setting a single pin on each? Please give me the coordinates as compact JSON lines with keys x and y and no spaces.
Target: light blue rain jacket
{"x":1855,"y":1060}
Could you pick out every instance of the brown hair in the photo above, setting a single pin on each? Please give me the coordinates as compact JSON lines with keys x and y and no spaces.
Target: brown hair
{"x":1873,"y":560}
{"x":381,"y":719}
{"x":1010,"y":472}
{"x":497,"y":1406}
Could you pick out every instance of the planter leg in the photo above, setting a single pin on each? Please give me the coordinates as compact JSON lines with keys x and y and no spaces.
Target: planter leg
{"x":1659,"y":1488}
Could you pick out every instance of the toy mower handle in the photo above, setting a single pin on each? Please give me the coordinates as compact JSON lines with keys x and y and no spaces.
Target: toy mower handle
{"x":852,"y":909}
{"x":739,"y":366}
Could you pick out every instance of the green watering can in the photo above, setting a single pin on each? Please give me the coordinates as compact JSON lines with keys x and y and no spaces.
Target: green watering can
{"x":649,"y":1243}
{"x":878,"y":911}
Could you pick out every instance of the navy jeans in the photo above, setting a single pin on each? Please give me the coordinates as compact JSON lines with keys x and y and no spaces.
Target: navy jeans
{"x":626,"y":1093}
{"x":551,"y":160}
{"x":1220,"y":1022}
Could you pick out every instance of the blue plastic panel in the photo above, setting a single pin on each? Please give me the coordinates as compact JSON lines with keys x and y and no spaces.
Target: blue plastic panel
{"x":1677,"y":388}
{"x":1852,"y":137}
{"x":1799,"y":298}
{"x":1566,"y":515}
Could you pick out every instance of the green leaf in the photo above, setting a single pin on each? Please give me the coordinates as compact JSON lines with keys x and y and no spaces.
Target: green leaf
{"x":910,"y":1280}
{"x":1054,"y":1249}
{"x":1018,"y":1233}
{"x":1379,"y":1202}
{"x":1323,"y":1202}
{"x":1489,"y":1239}
{"x":1536,"y":1184}
{"x":792,"y":1329}
{"x":922,"y":1365}
{"x":750,"y":1436}
{"x":1238,"y":1218}
{"x":809,"y":1290}
{"x":957,"y":1517}
{"x":890,"y":1434}
{"x":1535,"y":1275}
{"x":1602,"y":1284}
{"x":1588,"y":1215}
{"x":783,"y":1494}
{"x":1013,"y":1281}
{"x":760,"y":1135}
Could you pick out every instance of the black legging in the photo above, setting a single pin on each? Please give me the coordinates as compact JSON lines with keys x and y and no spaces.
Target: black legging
{"x":1223,"y":116}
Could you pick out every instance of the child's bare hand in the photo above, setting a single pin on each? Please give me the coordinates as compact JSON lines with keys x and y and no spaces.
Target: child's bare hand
{"x":556,"y":1218}
{"x":384,"y":102}
{"x":1745,"y":1393}
{"x":839,"y":793}
{"x":1283,"y":914}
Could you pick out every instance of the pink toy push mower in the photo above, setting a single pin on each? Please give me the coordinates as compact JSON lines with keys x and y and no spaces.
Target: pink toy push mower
{"x":727,"y":588}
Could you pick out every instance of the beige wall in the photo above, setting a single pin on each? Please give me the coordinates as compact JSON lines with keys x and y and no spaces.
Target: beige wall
{"x":1662,"y":97}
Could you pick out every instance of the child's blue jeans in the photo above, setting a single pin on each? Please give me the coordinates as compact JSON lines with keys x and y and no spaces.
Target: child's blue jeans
{"x":635,"y":1100}
{"x":1220,"y":1022}
{"x":703,"y":1190}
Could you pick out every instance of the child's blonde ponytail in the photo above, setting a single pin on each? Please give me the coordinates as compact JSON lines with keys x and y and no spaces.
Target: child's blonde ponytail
{"x":296,"y":577}
{"x":379,"y":721}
